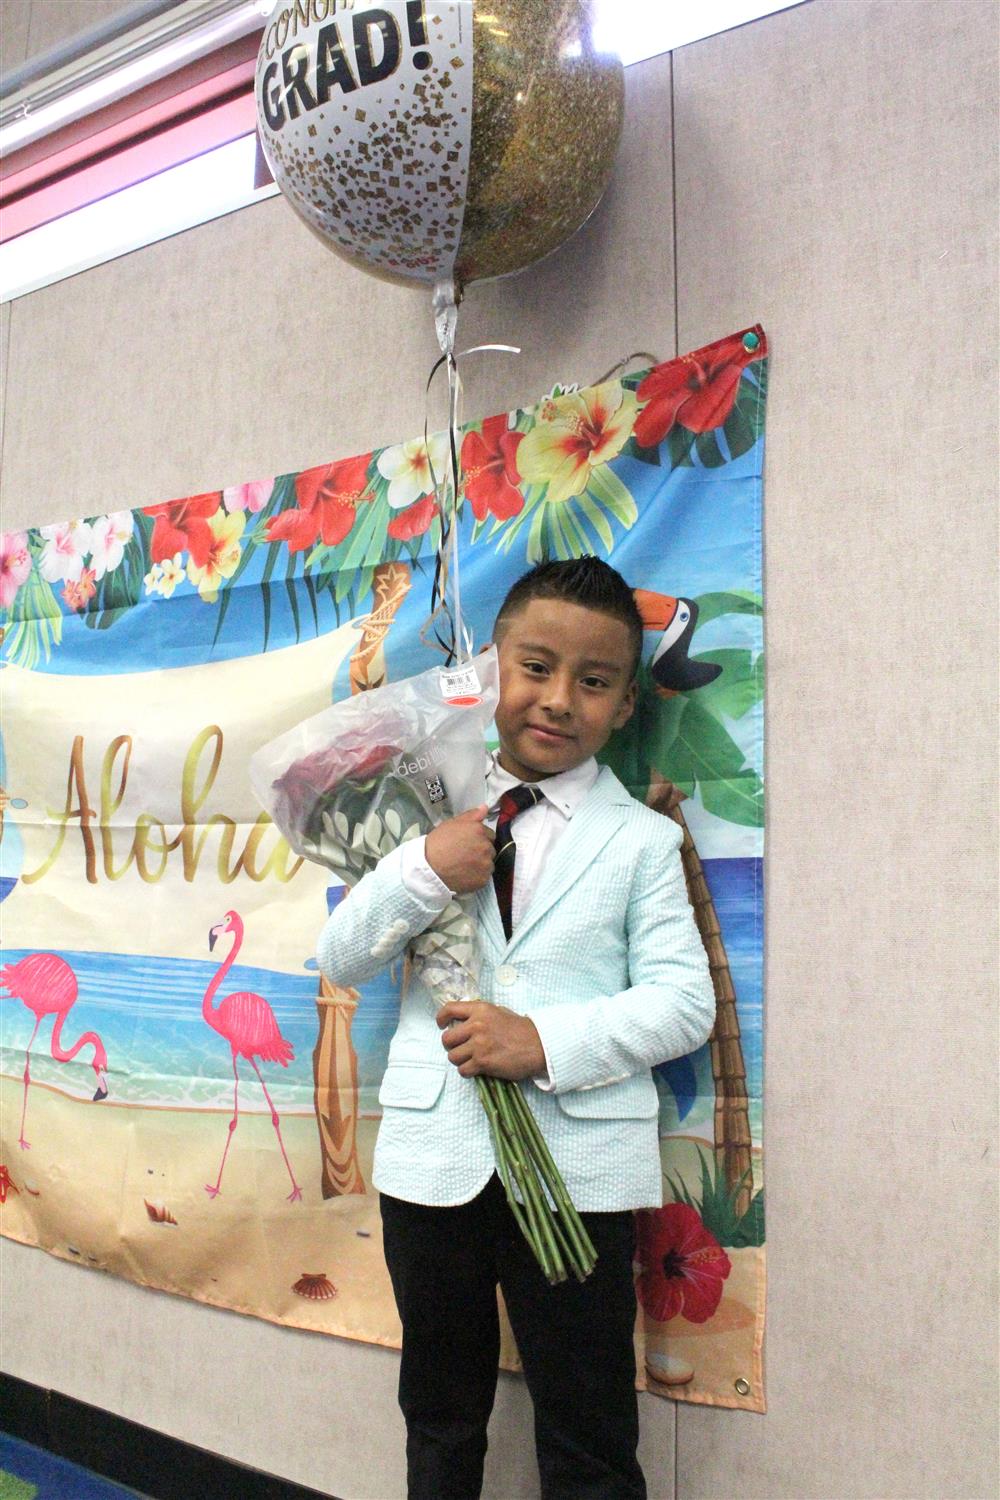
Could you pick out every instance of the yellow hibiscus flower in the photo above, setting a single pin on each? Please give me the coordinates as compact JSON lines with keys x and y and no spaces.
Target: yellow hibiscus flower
{"x":223,"y":555}
{"x":573,"y":435}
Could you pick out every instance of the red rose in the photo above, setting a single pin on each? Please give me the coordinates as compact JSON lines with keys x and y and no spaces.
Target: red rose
{"x":683,"y":1265}
{"x":310,"y":778}
{"x":489,"y":470}
{"x":696,"y":391}
{"x":183,"y":524}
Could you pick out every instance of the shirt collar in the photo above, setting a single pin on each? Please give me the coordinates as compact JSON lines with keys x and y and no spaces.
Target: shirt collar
{"x":565,"y":791}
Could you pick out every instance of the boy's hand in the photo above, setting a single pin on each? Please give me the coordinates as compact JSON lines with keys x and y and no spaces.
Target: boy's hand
{"x":460,"y":851}
{"x":485,"y":1038}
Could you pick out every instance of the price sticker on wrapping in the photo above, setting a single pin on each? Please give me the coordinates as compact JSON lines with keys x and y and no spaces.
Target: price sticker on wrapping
{"x":460,"y":686}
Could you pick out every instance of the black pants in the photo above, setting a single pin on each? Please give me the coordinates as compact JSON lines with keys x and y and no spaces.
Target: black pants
{"x":575,"y":1342}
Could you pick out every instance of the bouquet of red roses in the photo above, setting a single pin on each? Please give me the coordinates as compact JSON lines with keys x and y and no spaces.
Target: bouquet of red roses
{"x":355,"y":781}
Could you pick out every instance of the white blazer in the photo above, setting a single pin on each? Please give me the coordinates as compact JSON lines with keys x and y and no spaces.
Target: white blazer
{"x":607,"y":961}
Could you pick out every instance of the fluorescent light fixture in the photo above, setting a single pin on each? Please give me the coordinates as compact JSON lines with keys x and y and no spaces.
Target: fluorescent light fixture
{"x":195,"y":28}
{"x":637,"y":29}
{"x":179,"y":198}
{"x":221,"y":180}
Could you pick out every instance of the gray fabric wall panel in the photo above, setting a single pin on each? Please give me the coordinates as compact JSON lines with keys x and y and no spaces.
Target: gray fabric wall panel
{"x":15,"y":21}
{"x":46,"y":23}
{"x":243,"y":348}
{"x":5,"y":315}
{"x":854,"y":185}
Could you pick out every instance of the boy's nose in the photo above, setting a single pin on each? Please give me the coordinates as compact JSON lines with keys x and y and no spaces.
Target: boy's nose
{"x":557,"y":698}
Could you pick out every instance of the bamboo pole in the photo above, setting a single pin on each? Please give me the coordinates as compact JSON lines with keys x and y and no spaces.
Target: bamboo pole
{"x":732,"y":1117}
{"x":390,"y":586}
{"x":335,"y":1062}
{"x":335,"y":1076}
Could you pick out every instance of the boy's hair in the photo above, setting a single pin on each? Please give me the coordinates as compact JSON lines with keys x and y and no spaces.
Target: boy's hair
{"x":586,"y":581}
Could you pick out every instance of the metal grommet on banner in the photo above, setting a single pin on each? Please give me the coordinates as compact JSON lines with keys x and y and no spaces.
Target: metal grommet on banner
{"x":742,"y":1387}
{"x":751,"y":341}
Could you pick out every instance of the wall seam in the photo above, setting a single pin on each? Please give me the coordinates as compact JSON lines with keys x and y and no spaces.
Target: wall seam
{"x":673,"y":207}
{"x":673,"y":252}
{"x":5,"y":385}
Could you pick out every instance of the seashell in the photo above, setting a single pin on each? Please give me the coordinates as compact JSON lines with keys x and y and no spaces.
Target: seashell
{"x":667,"y":1369}
{"x":29,"y":1186}
{"x":315,"y":1285}
{"x":159,"y":1213}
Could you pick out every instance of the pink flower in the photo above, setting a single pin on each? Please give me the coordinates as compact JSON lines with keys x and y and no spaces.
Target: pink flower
{"x":252,"y":497}
{"x":108,"y":536}
{"x":66,"y":545}
{"x":15,"y":565}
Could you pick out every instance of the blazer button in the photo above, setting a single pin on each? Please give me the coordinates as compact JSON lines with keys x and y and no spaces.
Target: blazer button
{"x":506,"y":974}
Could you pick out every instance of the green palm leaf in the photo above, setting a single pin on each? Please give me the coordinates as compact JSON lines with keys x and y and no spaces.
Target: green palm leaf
{"x":739,"y":686}
{"x":607,"y":490}
{"x":705,"y":753}
{"x":35,"y":622}
{"x":597,"y":519}
{"x":736,"y":602}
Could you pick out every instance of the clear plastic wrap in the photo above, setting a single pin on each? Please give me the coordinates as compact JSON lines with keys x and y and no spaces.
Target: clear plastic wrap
{"x":363,"y":776}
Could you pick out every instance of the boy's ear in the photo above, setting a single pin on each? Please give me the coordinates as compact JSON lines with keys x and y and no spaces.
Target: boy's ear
{"x":627,"y":705}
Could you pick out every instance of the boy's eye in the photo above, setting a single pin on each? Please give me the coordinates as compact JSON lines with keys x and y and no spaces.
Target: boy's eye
{"x":595,"y":682}
{"x":537,"y":667}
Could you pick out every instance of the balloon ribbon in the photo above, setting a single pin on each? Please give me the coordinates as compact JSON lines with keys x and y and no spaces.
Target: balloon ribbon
{"x":445,"y":619}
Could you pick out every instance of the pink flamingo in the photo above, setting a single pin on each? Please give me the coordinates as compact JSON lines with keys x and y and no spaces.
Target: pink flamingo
{"x":247,"y":1022}
{"x":47,"y":985}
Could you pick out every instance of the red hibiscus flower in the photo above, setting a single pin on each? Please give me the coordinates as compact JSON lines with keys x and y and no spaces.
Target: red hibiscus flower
{"x":414,"y":520}
{"x":328,"y":498}
{"x":183,"y":524}
{"x":697,"y":391}
{"x":683,"y":1265}
{"x":489,"y":470}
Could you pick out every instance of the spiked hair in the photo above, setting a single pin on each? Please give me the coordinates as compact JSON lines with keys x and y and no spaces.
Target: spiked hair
{"x":587,"y":581}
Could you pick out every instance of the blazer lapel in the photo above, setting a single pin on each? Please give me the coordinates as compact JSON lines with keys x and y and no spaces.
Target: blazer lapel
{"x":597,"y":819}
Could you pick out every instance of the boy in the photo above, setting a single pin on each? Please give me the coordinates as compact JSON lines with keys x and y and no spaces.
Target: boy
{"x":592,"y":972}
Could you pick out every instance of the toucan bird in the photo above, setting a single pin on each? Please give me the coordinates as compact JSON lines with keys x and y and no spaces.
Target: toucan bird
{"x":671,"y":668}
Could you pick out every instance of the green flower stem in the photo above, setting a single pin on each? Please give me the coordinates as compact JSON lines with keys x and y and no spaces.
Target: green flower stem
{"x":575,"y":1229}
{"x":516,"y":1160}
{"x":500,"y":1152}
{"x":536,"y":1208}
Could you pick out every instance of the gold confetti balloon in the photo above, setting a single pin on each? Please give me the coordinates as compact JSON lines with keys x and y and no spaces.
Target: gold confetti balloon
{"x":428,"y":141}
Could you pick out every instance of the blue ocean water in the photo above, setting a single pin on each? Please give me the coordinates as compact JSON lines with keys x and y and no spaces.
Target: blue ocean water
{"x":161,"y":1051}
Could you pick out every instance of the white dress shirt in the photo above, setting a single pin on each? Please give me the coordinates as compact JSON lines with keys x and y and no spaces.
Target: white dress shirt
{"x":536,"y":832}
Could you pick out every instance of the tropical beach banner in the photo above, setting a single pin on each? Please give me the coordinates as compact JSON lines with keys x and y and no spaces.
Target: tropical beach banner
{"x":222,"y":1151}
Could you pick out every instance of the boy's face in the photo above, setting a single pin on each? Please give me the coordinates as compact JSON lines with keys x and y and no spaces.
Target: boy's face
{"x":565,"y":683}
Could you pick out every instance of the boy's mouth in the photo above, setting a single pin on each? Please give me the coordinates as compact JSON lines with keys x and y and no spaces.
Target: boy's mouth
{"x":548,"y":736}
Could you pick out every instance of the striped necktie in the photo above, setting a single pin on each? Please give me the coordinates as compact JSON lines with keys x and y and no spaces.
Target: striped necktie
{"x":517,"y":800}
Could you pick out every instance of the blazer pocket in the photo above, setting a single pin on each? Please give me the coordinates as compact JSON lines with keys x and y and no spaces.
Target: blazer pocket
{"x":633,"y":1099}
{"x":412,"y":1085}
